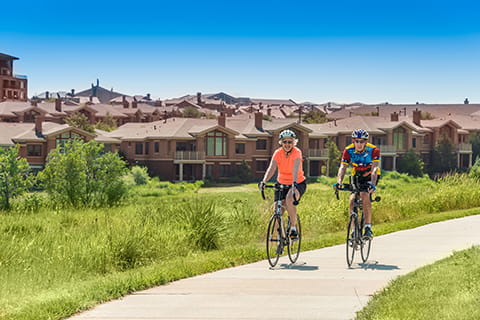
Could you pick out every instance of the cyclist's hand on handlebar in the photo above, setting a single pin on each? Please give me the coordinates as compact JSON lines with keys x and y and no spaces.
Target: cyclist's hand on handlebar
{"x":261,"y":185}
{"x":337,"y":186}
{"x":371,"y":187}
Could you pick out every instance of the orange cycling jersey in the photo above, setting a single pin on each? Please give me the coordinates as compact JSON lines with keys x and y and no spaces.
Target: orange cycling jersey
{"x":285,"y":165}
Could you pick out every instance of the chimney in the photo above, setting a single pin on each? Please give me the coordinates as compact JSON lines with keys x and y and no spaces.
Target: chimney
{"x":38,"y":125}
{"x":47,"y":95}
{"x":394,"y":116}
{"x":58,"y":105}
{"x":222,"y":120}
{"x":199,"y":98}
{"x":258,"y":120}
{"x":33,"y":102}
{"x":416,"y":117}
{"x":90,"y":99}
{"x":125,"y":102}
{"x":134,"y":104}
{"x":269,"y":111}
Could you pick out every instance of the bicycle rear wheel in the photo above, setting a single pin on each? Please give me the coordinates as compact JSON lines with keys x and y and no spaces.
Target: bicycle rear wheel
{"x":274,"y":241}
{"x":294,"y":244}
{"x":351,"y":239}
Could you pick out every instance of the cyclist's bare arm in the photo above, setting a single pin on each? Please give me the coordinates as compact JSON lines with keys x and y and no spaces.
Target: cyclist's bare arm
{"x":341,"y":172}
{"x":296,"y":165}
{"x":270,"y":171}
{"x":375,"y":167}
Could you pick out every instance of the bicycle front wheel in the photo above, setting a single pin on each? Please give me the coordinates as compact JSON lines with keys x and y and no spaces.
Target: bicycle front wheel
{"x":351,"y":240}
{"x":294,"y":243}
{"x":274,"y":241}
{"x":365,"y":249}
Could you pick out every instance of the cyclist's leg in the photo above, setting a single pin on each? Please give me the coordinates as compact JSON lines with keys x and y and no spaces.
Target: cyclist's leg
{"x":367,"y":207}
{"x":291,"y":209}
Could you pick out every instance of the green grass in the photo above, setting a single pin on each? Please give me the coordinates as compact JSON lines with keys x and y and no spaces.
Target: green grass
{"x":54,"y":263}
{"x":446,"y":289}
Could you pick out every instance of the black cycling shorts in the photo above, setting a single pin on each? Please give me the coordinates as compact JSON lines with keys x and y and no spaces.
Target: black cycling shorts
{"x":281,"y":193}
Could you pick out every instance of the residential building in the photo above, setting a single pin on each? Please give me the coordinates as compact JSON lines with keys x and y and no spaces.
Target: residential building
{"x":13,"y":87}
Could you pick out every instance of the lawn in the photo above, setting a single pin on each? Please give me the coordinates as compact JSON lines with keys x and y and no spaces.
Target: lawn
{"x":54,"y":263}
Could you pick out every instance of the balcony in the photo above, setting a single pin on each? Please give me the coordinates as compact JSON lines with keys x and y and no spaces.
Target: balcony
{"x":189,"y":157}
{"x":387,"y":149}
{"x":20,"y":76}
{"x":464,"y":148}
{"x":317,"y":153}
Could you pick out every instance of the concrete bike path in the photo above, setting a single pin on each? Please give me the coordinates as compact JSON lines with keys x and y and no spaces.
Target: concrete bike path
{"x":318,"y":286}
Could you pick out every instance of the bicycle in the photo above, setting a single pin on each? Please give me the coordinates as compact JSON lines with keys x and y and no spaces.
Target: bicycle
{"x":278,"y":230}
{"x":355,"y":240}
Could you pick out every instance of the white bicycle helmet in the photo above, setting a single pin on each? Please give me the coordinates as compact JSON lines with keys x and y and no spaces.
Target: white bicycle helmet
{"x":360,"y":134}
{"x":287,"y":134}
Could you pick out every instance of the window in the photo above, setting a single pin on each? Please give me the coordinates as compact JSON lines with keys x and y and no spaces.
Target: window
{"x":181,"y":146}
{"x":139,"y":148}
{"x":262,"y":165}
{"x":414,"y":142}
{"x":216,"y":144}
{"x":261,"y":144}
{"x":64,"y":137}
{"x":157,"y":147}
{"x":224,"y":170}
{"x":399,"y":136}
{"x":240,"y":148}
{"x":147,"y":147}
{"x":34,"y":150}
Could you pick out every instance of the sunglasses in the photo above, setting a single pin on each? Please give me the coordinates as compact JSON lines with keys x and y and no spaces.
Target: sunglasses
{"x":287,"y":141}
{"x":360,"y":141}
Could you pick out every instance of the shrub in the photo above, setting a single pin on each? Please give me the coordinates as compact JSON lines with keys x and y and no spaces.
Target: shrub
{"x":140,"y":175}
{"x":81,"y":174}
{"x":203,"y":222}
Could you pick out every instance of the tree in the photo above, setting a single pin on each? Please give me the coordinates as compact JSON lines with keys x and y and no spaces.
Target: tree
{"x":315,"y":116}
{"x":107,"y":124}
{"x":243,"y":172}
{"x":411,"y":164}
{"x":475,"y":141}
{"x":191,"y":112}
{"x":333,"y":157}
{"x":444,"y":159}
{"x":14,"y":175}
{"x":81,"y":174}
{"x":80,"y":121}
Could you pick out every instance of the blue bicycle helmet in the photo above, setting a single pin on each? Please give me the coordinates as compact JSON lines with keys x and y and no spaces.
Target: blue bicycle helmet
{"x":360,"y":134}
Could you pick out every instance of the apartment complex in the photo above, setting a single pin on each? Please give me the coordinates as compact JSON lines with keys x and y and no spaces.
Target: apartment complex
{"x":154,"y":133}
{"x":13,"y":87}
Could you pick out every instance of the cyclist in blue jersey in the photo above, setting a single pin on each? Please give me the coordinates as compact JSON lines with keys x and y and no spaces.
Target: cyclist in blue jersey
{"x":365,"y":159}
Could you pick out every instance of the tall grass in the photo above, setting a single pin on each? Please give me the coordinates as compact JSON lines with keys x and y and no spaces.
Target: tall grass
{"x":54,"y":262}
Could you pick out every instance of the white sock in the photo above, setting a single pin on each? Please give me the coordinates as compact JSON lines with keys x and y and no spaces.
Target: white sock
{"x":368,"y":225}
{"x":294,"y":228}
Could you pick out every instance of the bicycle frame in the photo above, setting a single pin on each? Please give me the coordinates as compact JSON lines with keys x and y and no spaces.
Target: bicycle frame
{"x":282,"y":236}
{"x":355,"y":239}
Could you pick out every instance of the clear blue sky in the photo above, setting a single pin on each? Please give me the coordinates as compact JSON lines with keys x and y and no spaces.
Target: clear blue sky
{"x":342,"y":51}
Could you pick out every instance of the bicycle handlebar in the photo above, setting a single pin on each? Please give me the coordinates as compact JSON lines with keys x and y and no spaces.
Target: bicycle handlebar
{"x":262,"y":190}
{"x":353,"y":188}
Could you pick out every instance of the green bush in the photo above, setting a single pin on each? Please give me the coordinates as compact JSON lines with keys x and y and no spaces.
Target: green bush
{"x":140,"y":175}
{"x":203,"y":222}
{"x":81,"y":174}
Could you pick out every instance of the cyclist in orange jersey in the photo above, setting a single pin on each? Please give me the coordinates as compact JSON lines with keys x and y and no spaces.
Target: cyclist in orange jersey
{"x":288,"y":160}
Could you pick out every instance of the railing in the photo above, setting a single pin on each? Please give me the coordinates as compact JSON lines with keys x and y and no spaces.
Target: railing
{"x":20,"y":76}
{"x":318,"y":153}
{"x":464,"y":147}
{"x":387,"y":148}
{"x":189,"y":155}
